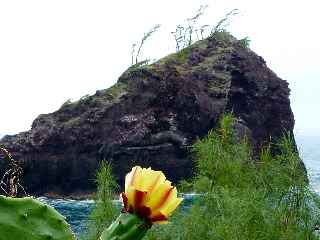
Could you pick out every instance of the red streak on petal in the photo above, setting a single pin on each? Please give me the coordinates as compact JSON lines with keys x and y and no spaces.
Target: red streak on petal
{"x":138,"y":199}
{"x":164,"y":198}
{"x":144,"y":212}
{"x":125,"y":201}
{"x":159,"y":217}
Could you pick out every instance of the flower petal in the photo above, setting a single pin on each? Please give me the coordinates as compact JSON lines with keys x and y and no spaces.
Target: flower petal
{"x":138,"y":198}
{"x":170,"y":206}
{"x":160,"y":195}
{"x":131,"y":177}
{"x":149,"y":195}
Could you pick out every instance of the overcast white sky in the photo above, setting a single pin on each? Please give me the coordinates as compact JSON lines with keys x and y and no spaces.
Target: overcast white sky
{"x":51,"y":51}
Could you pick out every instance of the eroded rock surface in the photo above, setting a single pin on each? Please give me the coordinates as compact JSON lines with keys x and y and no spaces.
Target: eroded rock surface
{"x":152,"y":115}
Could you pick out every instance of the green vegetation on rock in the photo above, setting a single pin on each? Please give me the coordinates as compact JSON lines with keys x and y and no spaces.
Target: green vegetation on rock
{"x":116,"y":89}
{"x":244,"y":42}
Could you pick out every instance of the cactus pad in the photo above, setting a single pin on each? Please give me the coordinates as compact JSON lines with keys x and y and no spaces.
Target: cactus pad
{"x":126,"y":227}
{"x":29,"y":219}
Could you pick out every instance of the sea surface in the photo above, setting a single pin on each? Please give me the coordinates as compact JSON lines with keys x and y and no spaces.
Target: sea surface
{"x":309,"y":149}
{"x":77,"y":212}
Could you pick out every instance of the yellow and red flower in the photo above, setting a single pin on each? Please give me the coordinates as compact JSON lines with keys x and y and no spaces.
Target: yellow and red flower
{"x":149,"y":195}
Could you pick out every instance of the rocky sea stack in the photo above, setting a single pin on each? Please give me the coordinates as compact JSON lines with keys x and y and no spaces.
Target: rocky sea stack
{"x":152,"y":115}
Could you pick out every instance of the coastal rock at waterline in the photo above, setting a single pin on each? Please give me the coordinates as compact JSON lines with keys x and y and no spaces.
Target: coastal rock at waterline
{"x":152,"y":115}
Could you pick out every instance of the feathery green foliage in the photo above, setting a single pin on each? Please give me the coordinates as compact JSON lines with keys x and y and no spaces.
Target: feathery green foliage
{"x":245,"y":198}
{"x":105,"y":210}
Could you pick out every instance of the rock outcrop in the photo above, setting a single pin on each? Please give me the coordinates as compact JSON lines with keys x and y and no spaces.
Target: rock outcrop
{"x":152,"y":115}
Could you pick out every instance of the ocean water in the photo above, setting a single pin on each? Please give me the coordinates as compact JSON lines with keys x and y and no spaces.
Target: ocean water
{"x":77,"y":212}
{"x":309,"y":148}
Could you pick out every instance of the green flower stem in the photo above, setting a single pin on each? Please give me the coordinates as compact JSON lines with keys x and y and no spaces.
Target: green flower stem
{"x":126,"y":227}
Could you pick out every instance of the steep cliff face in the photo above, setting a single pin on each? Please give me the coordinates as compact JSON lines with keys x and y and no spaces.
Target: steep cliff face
{"x":152,"y":115}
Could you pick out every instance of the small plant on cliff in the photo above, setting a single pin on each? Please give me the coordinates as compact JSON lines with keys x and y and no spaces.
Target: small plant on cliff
{"x":224,"y":22}
{"x":136,"y":52}
{"x":186,"y":34}
{"x":66,"y":103}
{"x":84,"y":98}
{"x":244,"y":42}
{"x":189,"y":32}
{"x":219,"y":31}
